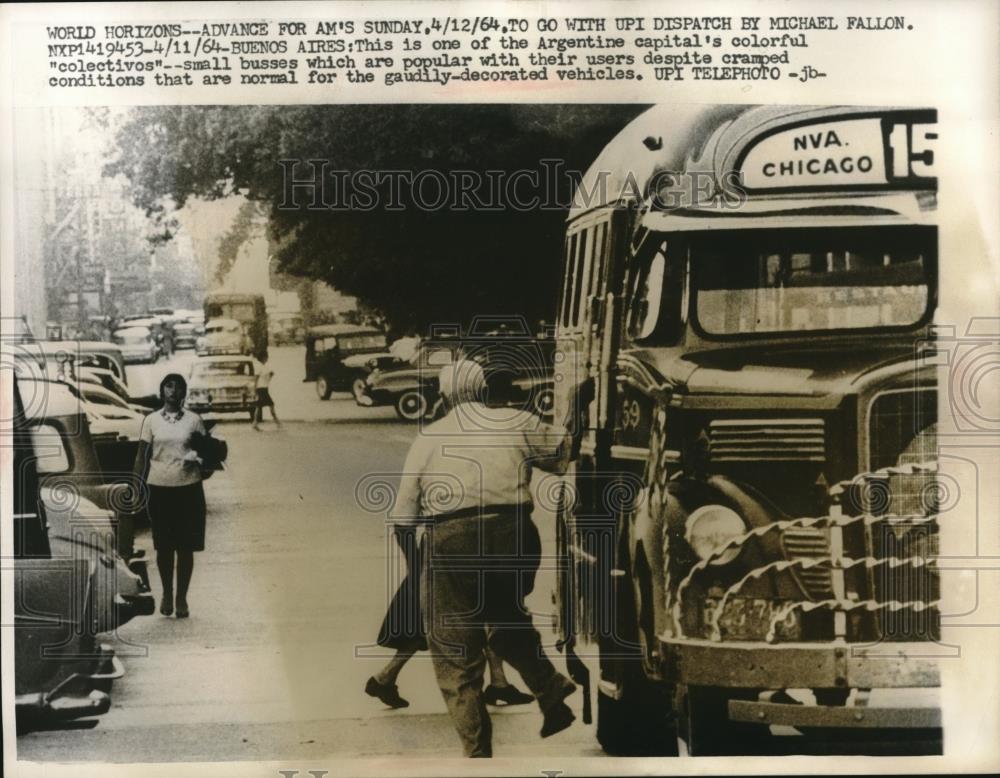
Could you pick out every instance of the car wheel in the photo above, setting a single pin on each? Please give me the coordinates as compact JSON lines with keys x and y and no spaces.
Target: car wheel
{"x":358,"y":388}
{"x":638,"y":720}
{"x":411,"y":405}
{"x":323,"y":388}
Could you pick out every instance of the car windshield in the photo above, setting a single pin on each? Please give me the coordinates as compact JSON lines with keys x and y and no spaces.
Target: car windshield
{"x":217,"y":328}
{"x":796,"y":280}
{"x":223,"y":368}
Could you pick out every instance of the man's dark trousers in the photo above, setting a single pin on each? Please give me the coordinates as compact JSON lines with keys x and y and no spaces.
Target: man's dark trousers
{"x":476,"y":575}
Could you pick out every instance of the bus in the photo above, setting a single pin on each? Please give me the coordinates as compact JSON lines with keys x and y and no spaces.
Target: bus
{"x":745,"y":537}
{"x":249,"y":310}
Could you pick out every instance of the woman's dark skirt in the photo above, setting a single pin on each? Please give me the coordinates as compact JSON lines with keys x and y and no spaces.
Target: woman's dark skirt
{"x":177,"y":516}
{"x":402,"y":627}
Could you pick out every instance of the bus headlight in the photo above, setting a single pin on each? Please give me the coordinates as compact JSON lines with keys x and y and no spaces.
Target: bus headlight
{"x":712,"y":526}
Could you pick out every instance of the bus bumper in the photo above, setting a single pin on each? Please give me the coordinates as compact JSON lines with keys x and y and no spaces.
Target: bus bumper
{"x":749,"y":665}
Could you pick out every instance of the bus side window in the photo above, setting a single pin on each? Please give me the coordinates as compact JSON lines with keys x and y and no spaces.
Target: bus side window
{"x":570,"y":268}
{"x":600,"y":255}
{"x":584,"y":253}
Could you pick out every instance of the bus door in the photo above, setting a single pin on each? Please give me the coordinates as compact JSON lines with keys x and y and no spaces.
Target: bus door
{"x":586,"y":345}
{"x":583,"y":344}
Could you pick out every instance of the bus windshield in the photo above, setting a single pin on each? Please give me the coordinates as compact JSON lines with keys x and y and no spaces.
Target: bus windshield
{"x":795,"y":280}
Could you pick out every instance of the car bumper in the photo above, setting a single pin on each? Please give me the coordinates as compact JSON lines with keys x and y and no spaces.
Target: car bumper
{"x":221,"y":407}
{"x":127,"y":607}
{"x":374,"y":397}
{"x":79,"y":695}
{"x":138,"y":356}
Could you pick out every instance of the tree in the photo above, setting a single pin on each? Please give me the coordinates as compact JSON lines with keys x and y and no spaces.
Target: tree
{"x":422,"y":262}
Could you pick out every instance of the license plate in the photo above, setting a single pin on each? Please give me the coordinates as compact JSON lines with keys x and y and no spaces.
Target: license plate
{"x":749,"y":618}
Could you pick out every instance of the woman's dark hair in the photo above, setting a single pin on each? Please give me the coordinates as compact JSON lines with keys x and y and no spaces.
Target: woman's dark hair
{"x":176,"y":378}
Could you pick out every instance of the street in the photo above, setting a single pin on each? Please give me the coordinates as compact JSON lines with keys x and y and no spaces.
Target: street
{"x":286,"y":602}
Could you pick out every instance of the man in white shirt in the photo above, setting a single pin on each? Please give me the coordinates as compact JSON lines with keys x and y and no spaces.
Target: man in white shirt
{"x":466,"y":480}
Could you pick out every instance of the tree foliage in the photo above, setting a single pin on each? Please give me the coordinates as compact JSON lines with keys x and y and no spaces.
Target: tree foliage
{"x":417,"y":265}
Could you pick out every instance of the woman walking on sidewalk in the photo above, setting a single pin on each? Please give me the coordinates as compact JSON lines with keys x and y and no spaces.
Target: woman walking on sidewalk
{"x":171,"y":470}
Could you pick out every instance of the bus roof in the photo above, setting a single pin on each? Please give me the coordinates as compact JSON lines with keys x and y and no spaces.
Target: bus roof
{"x":662,"y":138}
{"x":724,"y":139}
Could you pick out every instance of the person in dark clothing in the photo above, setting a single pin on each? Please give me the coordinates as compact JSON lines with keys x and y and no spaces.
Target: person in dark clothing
{"x":402,"y":630}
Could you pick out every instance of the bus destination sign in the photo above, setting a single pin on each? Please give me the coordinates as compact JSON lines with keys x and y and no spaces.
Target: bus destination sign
{"x":859,"y":153}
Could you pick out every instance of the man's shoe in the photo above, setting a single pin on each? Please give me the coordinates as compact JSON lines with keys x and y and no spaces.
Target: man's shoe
{"x":557,"y":718}
{"x":387,"y":693}
{"x":564,"y":687}
{"x":507,"y":695}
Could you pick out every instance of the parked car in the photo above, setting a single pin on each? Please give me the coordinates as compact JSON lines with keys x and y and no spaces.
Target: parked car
{"x":90,"y":388}
{"x":115,"y":426}
{"x":185,"y":335}
{"x":163,"y":334}
{"x":222,"y":336}
{"x":68,"y":356}
{"x":57,"y":405}
{"x":286,"y":328}
{"x":79,"y":528}
{"x":105,"y":378}
{"x":58,"y":686}
{"x":71,"y":584}
{"x":138,"y":344}
{"x":223,"y":384}
{"x":328,"y":347}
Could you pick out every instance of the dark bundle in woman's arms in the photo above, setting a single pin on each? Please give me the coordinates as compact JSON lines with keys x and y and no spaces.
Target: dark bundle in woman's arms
{"x":211,"y":451}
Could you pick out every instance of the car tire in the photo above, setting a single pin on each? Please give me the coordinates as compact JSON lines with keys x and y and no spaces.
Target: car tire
{"x":705,"y":725}
{"x":640,"y":720}
{"x":412,"y":405}
{"x":358,"y":388}
{"x":323,"y":388}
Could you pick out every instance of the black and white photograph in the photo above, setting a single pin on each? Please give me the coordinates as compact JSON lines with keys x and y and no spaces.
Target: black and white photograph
{"x":586,"y":436}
